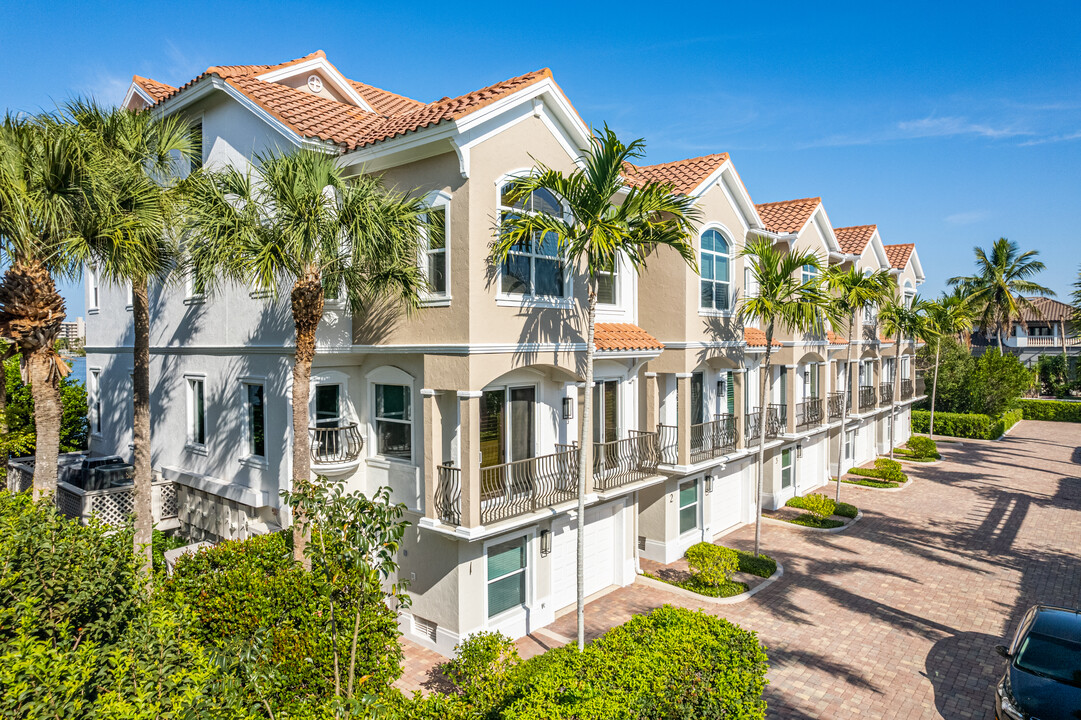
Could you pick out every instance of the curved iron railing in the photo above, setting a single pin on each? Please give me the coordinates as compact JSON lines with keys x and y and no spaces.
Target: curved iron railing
{"x":621,"y":462}
{"x":668,"y":440}
{"x":885,"y":392}
{"x":448,"y":495}
{"x":713,"y":439}
{"x":836,"y":403}
{"x":523,"y":486}
{"x":808,"y":413}
{"x":867,"y":397}
{"x":330,"y":445}
{"x":776,"y":420}
{"x":751,"y":425}
{"x":906,"y":388}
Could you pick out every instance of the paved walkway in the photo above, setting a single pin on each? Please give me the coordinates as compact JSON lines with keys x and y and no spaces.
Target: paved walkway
{"x":898,"y":616}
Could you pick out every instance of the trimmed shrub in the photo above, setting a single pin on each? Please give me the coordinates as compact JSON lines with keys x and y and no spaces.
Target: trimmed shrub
{"x":814,"y":521}
{"x":1004,"y":423}
{"x":846,"y":510}
{"x":819,"y":505}
{"x":962,"y":425}
{"x":1053,"y":410}
{"x":711,"y":564}
{"x":760,"y":565}
{"x":922,"y":447}
{"x":890,"y":470}
{"x":480,"y":665}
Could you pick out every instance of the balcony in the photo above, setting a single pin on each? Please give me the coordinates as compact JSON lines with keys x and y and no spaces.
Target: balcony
{"x":867,"y":397}
{"x":448,"y":495}
{"x":668,"y":440}
{"x":335,"y":450}
{"x":835,"y":405}
{"x":906,"y":389}
{"x":776,"y":420}
{"x":808,"y":414}
{"x":622,"y":462}
{"x":713,"y":439}
{"x":885,"y":393}
{"x":524,"y":486}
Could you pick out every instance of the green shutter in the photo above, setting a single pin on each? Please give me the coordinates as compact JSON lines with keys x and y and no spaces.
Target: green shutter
{"x":731,"y":386}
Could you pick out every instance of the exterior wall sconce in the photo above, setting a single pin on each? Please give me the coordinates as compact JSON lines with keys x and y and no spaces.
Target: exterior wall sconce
{"x":709,"y":484}
{"x":545,"y":542}
{"x":799,"y":451}
{"x":568,"y":408}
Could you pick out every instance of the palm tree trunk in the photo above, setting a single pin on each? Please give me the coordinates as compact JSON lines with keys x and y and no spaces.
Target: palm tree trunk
{"x":763,"y":408}
{"x":584,"y":466}
{"x":844,"y":407}
{"x":45,"y":389}
{"x":307,"y":305}
{"x":144,"y":520}
{"x":896,"y":392}
{"x":934,"y":388}
{"x":999,"y":339}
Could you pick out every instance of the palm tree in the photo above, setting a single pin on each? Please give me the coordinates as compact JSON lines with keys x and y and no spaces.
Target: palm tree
{"x":951,"y":315}
{"x":901,"y":320}
{"x":598,"y":233}
{"x":998,"y":286}
{"x":851,"y":290}
{"x":42,"y":169}
{"x":1075,"y":296}
{"x":782,"y":297}
{"x":302,"y":224}
{"x":126,"y":234}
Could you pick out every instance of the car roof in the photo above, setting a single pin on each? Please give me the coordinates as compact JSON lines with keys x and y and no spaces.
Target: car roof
{"x":1058,"y":622}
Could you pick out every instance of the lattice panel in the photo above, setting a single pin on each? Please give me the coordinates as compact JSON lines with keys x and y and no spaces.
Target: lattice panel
{"x":169,"y":501}
{"x":113,"y":508}
{"x":69,"y":503}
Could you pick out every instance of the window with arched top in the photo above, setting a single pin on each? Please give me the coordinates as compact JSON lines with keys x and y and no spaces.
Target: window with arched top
{"x":534,"y":267}
{"x":715,"y":269}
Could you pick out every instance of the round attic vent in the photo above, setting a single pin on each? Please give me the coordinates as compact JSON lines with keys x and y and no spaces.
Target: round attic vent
{"x":315,"y":83}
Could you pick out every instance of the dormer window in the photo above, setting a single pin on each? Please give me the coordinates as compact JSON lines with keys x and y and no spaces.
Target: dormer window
{"x":715,"y":271}
{"x":534,"y":267}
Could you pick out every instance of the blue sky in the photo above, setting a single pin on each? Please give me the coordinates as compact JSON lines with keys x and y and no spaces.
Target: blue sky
{"x":947,"y":124}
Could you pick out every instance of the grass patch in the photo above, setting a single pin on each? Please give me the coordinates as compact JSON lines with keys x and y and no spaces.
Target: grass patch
{"x":872,"y":483}
{"x":912,"y":457}
{"x":724,"y":590}
{"x":846,"y":510}
{"x":813,"y":521}
{"x":761,"y":565}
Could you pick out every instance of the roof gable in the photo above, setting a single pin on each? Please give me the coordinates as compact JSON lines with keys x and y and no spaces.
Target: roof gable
{"x":684,"y":175}
{"x":898,"y":255}
{"x":788,"y":216}
{"x":853,"y":240}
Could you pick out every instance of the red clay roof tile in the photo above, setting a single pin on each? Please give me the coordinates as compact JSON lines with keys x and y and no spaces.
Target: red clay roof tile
{"x":788,"y":216}
{"x":835,"y":339}
{"x":623,"y":336}
{"x":684,"y":175}
{"x":854,"y":239}
{"x":757,"y":338}
{"x":898,"y":255}
{"x":153,"y":88}
{"x":1049,"y":310}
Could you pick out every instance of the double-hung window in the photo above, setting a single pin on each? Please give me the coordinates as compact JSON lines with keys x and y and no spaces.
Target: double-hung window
{"x":535,"y":266}
{"x":92,"y":286}
{"x":808,"y":274}
{"x":786,"y":468}
{"x":608,"y":286}
{"x":688,"y":506}
{"x":256,"y":419}
{"x":394,"y":421}
{"x":716,"y":271}
{"x":434,"y":249}
{"x":506,"y":576}
{"x":196,"y":411}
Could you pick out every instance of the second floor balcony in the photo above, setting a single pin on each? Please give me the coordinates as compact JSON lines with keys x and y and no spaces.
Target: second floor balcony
{"x":622,"y":462}
{"x":335,"y":449}
{"x":835,"y":402}
{"x":776,"y":418}
{"x":907,"y":389}
{"x":867,"y":397}
{"x":808,"y":414}
{"x":885,"y":393}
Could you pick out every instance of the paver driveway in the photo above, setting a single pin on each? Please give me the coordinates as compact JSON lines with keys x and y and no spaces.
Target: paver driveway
{"x":897,"y":617}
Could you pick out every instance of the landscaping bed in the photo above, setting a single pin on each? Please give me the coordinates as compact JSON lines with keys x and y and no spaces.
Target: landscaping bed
{"x":885,"y":474}
{"x":698,"y":572}
{"x":814,"y":511}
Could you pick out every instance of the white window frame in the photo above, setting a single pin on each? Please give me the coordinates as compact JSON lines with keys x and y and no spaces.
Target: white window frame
{"x":190,"y":296}
{"x":94,"y":410}
{"x":504,"y":299}
{"x":129,"y":296}
{"x":680,"y":507}
{"x":750,"y":285}
{"x":806,"y":275}
{"x":390,"y":375}
{"x":505,"y":389}
{"x":727,"y":236}
{"x":791,"y":467}
{"x":437,"y":200}
{"x":617,"y":294}
{"x":250,"y":458}
{"x":530,"y":579}
{"x":189,"y":391}
{"x":850,"y":444}
{"x":93,"y":286}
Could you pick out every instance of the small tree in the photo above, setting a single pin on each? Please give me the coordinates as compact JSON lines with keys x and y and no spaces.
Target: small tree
{"x":782,"y":298}
{"x":902,"y":321}
{"x":950,"y":316}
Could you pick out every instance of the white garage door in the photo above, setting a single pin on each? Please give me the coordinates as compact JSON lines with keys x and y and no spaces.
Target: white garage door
{"x":600,"y":569}
{"x":728,"y":501}
{"x":809,"y":474}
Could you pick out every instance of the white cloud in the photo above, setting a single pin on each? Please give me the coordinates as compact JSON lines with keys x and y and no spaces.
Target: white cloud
{"x":1053,"y":139}
{"x":932,"y":126}
{"x":107,"y":89}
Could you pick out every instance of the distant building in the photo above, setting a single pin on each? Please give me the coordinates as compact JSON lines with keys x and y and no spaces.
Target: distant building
{"x":1047,"y":330}
{"x":74,"y":332}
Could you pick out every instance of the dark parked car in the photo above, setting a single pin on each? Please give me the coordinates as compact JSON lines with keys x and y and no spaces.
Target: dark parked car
{"x":1043,"y":679}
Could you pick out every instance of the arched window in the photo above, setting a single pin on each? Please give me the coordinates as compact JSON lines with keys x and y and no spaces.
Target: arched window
{"x":808,"y":273}
{"x":715,"y":269}
{"x":534,"y":267}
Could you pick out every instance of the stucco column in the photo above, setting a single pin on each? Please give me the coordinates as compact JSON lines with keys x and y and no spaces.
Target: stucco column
{"x":683,"y":418}
{"x":650,"y":403}
{"x":823,"y":391}
{"x":878,"y":378}
{"x":433,"y":437}
{"x":852,"y":378}
{"x":469,"y":446}
{"x":738,"y":376}
{"x":791,"y":399}
{"x":586,"y":446}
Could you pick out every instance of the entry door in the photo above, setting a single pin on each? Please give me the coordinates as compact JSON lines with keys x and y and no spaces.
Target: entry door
{"x":507,"y":425}
{"x":522,"y":423}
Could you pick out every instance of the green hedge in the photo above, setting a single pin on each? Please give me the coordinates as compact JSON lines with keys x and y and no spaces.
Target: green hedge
{"x":1054,"y":410}
{"x":966,"y":425}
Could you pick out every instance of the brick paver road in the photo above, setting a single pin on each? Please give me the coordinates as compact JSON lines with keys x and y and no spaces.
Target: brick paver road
{"x":898,"y":616}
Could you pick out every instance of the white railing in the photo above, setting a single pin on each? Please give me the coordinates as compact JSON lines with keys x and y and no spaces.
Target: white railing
{"x":1048,"y":341}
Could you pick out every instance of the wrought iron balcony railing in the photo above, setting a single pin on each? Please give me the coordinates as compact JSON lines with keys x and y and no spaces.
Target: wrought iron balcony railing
{"x":906,"y":388}
{"x":333,"y":445}
{"x":776,"y":420}
{"x":867,"y":397}
{"x":448,"y":495}
{"x":809,"y":414}
{"x":713,"y":439}
{"x":523,"y":486}
{"x":885,"y":393}
{"x":621,"y":462}
{"x":836,"y":402}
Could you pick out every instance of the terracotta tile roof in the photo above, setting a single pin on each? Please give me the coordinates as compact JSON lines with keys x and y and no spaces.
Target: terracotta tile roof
{"x":385,"y":102}
{"x":684,"y":175}
{"x":898,"y":255}
{"x":153,"y":88}
{"x":757,"y":338}
{"x":1050,"y":310}
{"x":855,"y":238}
{"x":788,"y":216}
{"x":835,"y":339}
{"x":882,"y":337}
{"x":623,"y":336}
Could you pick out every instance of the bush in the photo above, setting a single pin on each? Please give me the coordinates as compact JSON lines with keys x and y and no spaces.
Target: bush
{"x":846,"y":510}
{"x":986,"y":385}
{"x":922,"y":447}
{"x":712,"y":565}
{"x":819,"y":505}
{"x":871,"y":483}
{"x":1004,"y":423}
{"x":760,"y":565}
{"x":814,"y":521}
{"x":890,"y":470}
{"x":480,"y":666}
{"x":1053,"y":410}
{"x":964,"y":425}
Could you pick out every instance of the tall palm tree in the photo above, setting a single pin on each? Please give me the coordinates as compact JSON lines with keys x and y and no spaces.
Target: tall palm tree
{"x":950,"y":316}
{"x":903,"y":320}
{"x":782,"y":298}
{"x":997,"y":288}
{"x":850,"y":291}
{"x":598,"y":233}
{"x":127,"y":235}
{"x":42,"y":169}
{"x":1075,"y":296}
{"x":298,"y":222}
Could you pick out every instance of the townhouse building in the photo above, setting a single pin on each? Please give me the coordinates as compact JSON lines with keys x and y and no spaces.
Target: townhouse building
{"x":470,"y":410}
